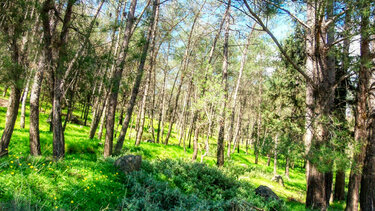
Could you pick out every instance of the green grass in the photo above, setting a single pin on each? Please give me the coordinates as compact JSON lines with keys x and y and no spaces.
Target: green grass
{"x":86,"y":180}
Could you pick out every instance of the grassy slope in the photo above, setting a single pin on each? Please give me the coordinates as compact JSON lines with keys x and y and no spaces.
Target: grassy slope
{"x":85,"y":180}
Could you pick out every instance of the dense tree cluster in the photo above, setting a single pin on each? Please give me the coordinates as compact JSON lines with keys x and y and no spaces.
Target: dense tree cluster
{"x":203,"y":70}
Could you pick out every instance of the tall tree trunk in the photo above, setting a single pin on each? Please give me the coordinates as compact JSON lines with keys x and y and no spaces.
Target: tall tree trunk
{"x":162,"y":107}
{"x":220,"y":139}
{"x":153,"y":52}
{"x":361,"y":118}
{"x":319,"y":100}
{"x":115,"y":82}
{"x":275,"y":155}
{"x":195,"y":143}
{"x":233,"y":107}
{"x":367,"y":196}
{"x":340,"y":107}
{"x":12,"y":112}
{"x":129,"y":111}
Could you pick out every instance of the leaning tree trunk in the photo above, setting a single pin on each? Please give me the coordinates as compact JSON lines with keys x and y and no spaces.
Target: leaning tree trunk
{"x":137,"y":83}
{"x":11,"y":116}
{"x":115,"y":82}
{"x":152,"y":39}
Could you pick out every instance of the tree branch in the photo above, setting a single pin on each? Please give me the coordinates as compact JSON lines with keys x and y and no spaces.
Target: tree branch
{"x":287,"y":57}
{"x":290,"y":14}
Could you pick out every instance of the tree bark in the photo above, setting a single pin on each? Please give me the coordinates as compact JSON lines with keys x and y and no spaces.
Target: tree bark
{"x":367,"y":196}
{"x":34,"y":111}
{"x":233,"y":107}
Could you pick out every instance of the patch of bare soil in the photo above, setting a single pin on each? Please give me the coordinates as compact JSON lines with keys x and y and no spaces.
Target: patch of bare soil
{"x":3,"y":103}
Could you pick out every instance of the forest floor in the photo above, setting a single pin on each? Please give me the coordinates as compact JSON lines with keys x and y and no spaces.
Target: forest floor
{"x":168,"y":179}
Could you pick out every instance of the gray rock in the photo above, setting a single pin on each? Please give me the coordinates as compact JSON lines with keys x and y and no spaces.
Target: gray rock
{"x":129,"y":163}
{"x":266,"y":192}
{"x":150,"y":141}
{"x":278,"y":179}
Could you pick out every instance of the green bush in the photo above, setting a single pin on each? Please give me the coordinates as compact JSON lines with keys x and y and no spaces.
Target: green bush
{"x":179,"y":185}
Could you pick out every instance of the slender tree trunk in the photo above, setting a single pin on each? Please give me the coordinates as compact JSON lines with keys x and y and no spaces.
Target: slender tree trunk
{"x":184,"y":66}
{"x":34,"y":111}
{"x":99,"y":108}
{"x":275,"y":155}
{"x":125,"y":125}
{"x":23,"y":107}
{"x":102,"y":120}
{"x":5,"y":90}
{"x":115,"y":81}
{"x":11,"y":116}
{"x":152,"y":39}
{"x":195,"y":143}
{"x":220,"y":139}
{"x":142,"y":112}
{"x":233,"y":107}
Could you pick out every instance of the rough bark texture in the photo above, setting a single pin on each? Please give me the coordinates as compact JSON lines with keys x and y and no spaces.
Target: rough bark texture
{"x":360,"y":128}
{"x":34,"y":112}
{"x":11,"y":116}
{"x":319,"y":101}
{"x":23,"y":107}
{"x":367,"y":196}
